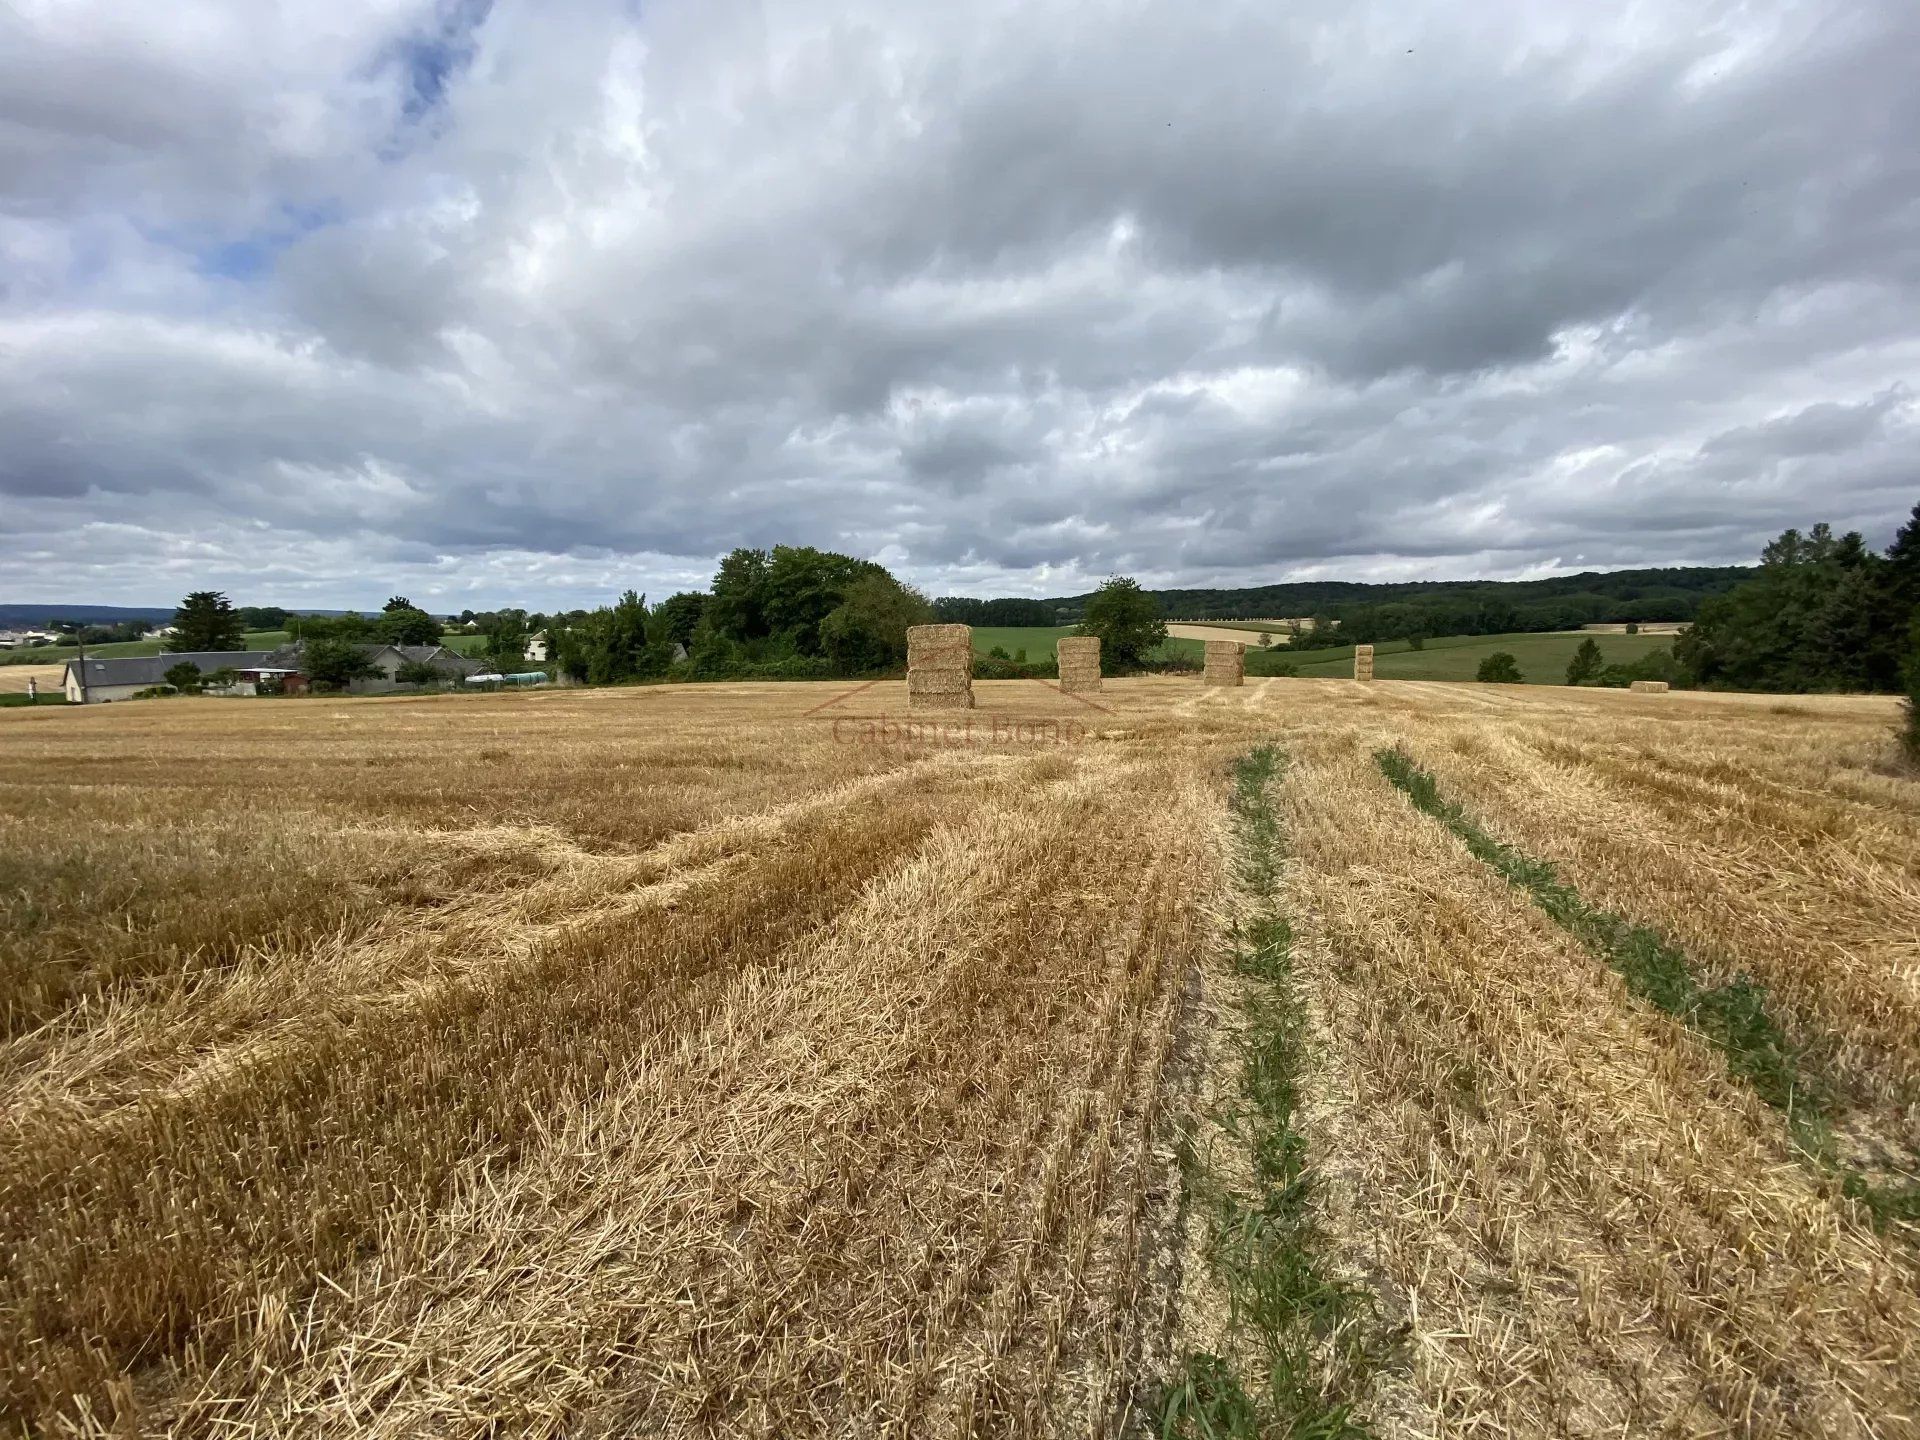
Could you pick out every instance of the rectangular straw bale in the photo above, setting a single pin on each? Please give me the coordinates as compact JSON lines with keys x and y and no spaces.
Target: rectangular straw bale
{"x":1363,"y":662}
{"x":1649,"y":687}
{"x":1226,"y":663}
{"x":939,"y":667}
{"x":939,"y":644}
{"x":1079,"y":659}
{"x":962,"y":700}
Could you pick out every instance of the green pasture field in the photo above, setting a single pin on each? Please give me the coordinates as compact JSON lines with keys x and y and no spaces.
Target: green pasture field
{"x":1542,"y":656}
{"x":58,"y":654}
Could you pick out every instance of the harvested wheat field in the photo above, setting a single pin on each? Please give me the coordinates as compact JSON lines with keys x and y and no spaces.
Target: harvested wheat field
{"x":1295,"y":1059}
{"x":14,"y":678}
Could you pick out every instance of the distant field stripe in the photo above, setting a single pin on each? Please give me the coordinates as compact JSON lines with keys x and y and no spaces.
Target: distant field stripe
{"x":1733,"y":1016}
{"x":1317,"y":1335}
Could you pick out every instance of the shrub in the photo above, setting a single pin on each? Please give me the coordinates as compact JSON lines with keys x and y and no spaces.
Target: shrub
{"x":1655,"y":665}
{"x":418,"y":672}
{"x":1500,"y":668}
{"x":184,"y":677}
{"x":1910,"y":710}
{"x":996,"y":666}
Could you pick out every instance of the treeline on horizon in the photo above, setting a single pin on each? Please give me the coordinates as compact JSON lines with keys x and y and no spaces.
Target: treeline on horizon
{"x":1348,"y":612}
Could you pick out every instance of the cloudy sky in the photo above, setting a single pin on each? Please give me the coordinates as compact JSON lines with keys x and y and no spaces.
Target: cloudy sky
{"x":526,"y":302}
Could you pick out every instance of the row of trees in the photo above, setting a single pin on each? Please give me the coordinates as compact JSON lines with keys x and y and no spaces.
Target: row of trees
{"x":208,"y":620}
{"x":400,"y":622}
{"x":797,"y":612}
{"x":964,"y":610}
{"x":117,"y":633}
{"x":1449,"y":607}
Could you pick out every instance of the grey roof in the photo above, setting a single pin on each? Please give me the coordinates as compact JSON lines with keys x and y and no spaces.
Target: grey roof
{"x":152,"y":669}
{"x":443,"y":660}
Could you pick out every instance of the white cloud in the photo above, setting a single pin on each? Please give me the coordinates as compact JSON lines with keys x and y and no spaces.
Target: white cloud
{"x":542,"y":301}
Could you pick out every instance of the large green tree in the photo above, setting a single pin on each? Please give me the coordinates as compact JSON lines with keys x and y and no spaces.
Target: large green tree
{"x":1127,"y":620}
{"x":804,"y":586}
{"x":206,"y":620}
{"x":773,"y":601}
{"x":334,"y":664}
{"x":404,"y":625}
{"x":678,"y":616}
{"x":737,"y":605}
{"x":868,"y":629}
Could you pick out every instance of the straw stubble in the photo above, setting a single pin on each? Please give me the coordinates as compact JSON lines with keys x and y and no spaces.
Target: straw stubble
{"x":656,"y":1061}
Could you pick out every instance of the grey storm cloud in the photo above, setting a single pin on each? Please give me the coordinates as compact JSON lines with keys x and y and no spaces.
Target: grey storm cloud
{"x":528,"y":303}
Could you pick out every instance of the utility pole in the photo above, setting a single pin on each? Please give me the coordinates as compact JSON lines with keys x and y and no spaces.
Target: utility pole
{"x":79,"y":640}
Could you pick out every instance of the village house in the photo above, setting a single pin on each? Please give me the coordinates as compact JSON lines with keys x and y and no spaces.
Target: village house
{"x":122,"y":677}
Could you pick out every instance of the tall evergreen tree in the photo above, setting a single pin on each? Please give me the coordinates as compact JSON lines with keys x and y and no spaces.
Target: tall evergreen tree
{"x":206,"y":620}
{"x":1587,"y":663}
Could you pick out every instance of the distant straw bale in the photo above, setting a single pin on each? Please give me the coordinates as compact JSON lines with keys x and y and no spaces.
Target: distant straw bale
{"x":939,"y":667}
{"x":1226,"y":663}
{"x":1649,"y":687}
{"x":1079,"y":657}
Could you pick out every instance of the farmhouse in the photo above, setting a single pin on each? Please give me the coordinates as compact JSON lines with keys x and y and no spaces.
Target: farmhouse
{"x":120,"y":677}
{"x":449,"y":665}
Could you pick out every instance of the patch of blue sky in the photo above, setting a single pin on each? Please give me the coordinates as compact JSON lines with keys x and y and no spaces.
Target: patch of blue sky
{"x":428,"y":61}
{"x":250,"y":256}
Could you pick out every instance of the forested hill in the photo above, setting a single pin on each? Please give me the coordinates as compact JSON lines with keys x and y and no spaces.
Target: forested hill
{"x":37,"y":615}
{"x":1561,"y":601}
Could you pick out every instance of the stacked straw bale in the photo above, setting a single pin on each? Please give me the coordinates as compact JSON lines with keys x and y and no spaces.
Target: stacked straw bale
{"x":1079,"y":664}
{"x":1649,"y":687}
{"x":1363,"y":662}
{"x":1226,"y":663}
{"x":939,"y":667}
